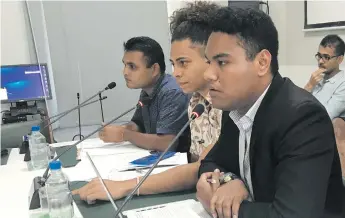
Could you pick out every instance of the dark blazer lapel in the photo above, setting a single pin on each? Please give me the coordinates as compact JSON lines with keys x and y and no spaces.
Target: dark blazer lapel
{"x":259,"y":120}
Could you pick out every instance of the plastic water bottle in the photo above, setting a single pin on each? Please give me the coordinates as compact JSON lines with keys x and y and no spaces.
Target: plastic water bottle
{"x":60,"y":201}
{"x":38,"y":149}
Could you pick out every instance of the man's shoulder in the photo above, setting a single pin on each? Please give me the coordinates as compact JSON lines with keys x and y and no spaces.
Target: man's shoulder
{"x":169,"y":86}
{"x":291,"y":102}
{"x":169,"y":82}
{"x":342,"y":75}
{"x":342,"y":79}
{"x":291,"y":95}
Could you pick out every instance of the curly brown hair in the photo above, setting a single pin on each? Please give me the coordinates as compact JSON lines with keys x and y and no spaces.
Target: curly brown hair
{"x":192,"y":22}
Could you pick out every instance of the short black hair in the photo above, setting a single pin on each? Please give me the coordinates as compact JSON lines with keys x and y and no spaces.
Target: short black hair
{"x":334,"y":41}
{"x":192,"y":22}
{"x":151,"y":49}
{"x":254,"y":29}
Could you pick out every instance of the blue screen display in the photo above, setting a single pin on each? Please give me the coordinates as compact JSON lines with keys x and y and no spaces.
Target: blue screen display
{"x":24,"y":82}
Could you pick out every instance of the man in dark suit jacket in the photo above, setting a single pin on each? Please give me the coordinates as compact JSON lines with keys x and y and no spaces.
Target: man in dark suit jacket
{"x":276,"y":156}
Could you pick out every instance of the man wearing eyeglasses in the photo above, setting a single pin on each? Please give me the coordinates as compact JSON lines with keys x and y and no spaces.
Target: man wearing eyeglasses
{"x":327,"y":84}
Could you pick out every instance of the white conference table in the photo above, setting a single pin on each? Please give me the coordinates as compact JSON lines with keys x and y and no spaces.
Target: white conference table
{"x":15,"y":185}
{"x":16,"y":180}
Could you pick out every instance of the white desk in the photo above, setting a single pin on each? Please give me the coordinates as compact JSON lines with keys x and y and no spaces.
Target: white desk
{"x":15,"y":184}
{"x":16,"y":180}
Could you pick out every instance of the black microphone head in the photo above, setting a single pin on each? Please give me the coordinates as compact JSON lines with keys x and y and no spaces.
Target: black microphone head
{"x":111,"y":85}
{"x":104,"y":97}
{"x":197,"y":111}
{"x":78,"y":95}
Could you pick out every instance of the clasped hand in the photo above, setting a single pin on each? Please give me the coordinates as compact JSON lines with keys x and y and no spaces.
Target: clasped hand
{"x":112,"y":134}
{"x":222,"y":201}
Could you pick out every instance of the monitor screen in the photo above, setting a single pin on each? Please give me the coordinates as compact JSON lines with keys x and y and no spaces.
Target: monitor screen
{"x":24,"y":83}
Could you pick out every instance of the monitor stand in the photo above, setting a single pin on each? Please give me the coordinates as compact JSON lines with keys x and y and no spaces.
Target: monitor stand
{"x":22,"y":108}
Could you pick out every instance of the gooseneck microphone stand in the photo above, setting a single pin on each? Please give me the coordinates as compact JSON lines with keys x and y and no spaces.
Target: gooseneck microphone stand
{"x":100,"y":101}
{"x":79,"y":122}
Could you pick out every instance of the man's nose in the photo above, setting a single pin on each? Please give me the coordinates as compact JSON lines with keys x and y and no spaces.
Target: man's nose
{"x":210,"y":74}
{"x":125,"y":71}
{"x":321,"y":61}
{"x":177,"y":72}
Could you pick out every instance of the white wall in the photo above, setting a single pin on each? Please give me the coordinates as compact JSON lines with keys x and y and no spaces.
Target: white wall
{"x":85,"y":39}
{"x":297,"y":48}
{"x":14,"y":34}
{"x":17,"y":45}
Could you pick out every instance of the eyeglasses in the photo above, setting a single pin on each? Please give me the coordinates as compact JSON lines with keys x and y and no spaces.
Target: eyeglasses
{"x":325,"y":58}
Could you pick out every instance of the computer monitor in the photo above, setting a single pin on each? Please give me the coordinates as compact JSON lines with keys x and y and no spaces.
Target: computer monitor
{"x":28,"y":82}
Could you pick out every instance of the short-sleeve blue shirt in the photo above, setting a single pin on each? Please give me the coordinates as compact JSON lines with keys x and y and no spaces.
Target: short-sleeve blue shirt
{"x":164,"y":111}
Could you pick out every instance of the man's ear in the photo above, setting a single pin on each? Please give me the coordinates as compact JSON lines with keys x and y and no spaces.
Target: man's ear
{"x":263,"y":62}
{"x":340,"y":59}
{"x":155,"y":69}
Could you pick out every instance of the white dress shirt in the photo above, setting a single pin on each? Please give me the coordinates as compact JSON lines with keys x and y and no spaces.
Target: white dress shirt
{"x":244,"y":124}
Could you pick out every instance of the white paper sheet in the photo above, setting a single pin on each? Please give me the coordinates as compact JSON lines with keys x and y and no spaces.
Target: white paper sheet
{"x":85,"y":173}
{"x":188,"y":208}
{"x":88,"y":143}
{"x":110,"y":165}
{"x":111,"y":150}
{"x":177,"y":159}
{"x":121,"y":161}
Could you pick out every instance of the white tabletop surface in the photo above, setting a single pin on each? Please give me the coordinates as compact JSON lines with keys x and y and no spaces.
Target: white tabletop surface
{"x":16,"y":180}
{"x":15,"y":184}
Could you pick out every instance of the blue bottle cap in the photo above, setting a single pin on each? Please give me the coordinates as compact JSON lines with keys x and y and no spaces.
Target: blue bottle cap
{"x":55,"y":165}
{"x":35,"y":128}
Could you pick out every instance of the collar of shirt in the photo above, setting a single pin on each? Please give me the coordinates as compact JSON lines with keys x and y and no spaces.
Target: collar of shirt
{"x":156,"y":88}
{"x":335,"y":78}
{"x":245,"y":122}
{"x":206,"y":129}
{"x":197,"y":98}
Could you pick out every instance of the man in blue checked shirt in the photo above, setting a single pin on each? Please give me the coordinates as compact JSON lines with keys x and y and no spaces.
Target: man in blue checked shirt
{"x":154,"y":125}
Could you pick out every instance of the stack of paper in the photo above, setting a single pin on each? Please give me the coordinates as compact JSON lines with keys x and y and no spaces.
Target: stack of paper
{"x":96,"y":147}
{"x":116,"y":166}
{"x":188,"y":208}
{"x":177,"y":159}
{"x":120,"y":148}
{"x":88,"y":143}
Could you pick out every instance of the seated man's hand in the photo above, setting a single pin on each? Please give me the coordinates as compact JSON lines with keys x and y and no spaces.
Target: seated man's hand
{"x":316,"y":77}
{"x":112,"y":134}
{"x":227,"y":199}
{"x":206,"y":187}
{"x":95,"y":191}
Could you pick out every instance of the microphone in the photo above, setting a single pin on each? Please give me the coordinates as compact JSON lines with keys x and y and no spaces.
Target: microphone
{"x":103,"y":98}
{"x":110,"y":85}
{"x":40,"y":181}
{"x":197,"y":111}
{"x":100,"y":102}
{"x":94,"y":101}
{"x":79,"y":120}
{"x":60,"y":115}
